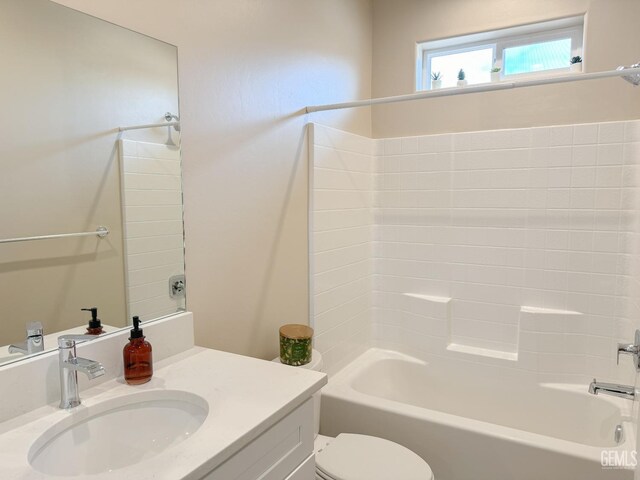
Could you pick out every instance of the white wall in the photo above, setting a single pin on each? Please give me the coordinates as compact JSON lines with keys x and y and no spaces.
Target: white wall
{"x":246,"y":70}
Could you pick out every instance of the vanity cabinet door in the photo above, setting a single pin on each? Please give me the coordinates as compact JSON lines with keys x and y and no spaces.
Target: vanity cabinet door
{"x":306,"y":471}
{"x":276,"y":453}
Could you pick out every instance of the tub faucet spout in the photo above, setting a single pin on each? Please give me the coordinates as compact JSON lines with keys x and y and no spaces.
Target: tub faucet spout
{"x":622,"y":391}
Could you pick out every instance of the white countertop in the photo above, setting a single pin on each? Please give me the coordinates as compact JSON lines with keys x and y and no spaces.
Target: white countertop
{"x":245,"y":395}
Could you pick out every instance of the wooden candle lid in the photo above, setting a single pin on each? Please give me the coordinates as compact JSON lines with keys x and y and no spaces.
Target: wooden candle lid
{"x":296,"y":331}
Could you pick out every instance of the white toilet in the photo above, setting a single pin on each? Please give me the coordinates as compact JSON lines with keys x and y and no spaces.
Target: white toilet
{"x":361,"y":457}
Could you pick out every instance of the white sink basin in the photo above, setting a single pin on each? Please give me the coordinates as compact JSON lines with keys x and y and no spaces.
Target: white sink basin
{"x":117,"y":433}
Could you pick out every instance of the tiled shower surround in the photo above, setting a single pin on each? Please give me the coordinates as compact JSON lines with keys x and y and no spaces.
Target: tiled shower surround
{"x":341,"y":241}
{"x":513,"y":247}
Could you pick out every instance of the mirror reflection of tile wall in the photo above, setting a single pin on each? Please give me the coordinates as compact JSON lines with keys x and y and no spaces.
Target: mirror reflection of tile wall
{"x":152,"y":192}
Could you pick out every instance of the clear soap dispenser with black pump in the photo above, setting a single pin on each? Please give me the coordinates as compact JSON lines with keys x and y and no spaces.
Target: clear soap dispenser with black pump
{"x":138,"y":361}
{"x":95,"y":326}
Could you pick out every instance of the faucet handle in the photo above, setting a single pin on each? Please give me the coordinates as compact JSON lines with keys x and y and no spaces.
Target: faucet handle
{"x":627,"y":349}
{"x":34,"y":329}
{"x":632,"y":349}
{"x":67,"y":341}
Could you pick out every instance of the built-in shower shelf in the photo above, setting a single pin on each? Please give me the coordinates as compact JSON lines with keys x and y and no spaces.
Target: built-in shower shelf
{"x":547,"y":311}
{"x":483,"y":352}
{"x":429,"y":298}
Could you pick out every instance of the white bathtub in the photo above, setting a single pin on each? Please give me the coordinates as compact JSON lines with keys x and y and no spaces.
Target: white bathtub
{"x":479,"y":426}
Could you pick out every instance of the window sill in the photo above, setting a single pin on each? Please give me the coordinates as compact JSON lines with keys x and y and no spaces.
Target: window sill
{"x":511,"y":79}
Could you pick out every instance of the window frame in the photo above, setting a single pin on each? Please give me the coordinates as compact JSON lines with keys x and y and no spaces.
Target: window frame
{"x":499,"y":40}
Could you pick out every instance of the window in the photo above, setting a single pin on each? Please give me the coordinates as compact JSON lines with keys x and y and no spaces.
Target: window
{"x":535,"y":49}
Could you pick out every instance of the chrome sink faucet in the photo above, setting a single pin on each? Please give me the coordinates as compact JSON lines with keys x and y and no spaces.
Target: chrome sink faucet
{"x":70,"y":364}
{"x":34,"y":342}
{"x":613,"y":389}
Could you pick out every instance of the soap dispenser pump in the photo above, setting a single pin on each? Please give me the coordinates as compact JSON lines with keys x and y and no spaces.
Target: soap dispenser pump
{"x":95,"y":326}
{"x":138,"y":361}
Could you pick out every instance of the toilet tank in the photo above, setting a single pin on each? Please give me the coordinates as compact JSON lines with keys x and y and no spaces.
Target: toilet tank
{"x":316,"y":365}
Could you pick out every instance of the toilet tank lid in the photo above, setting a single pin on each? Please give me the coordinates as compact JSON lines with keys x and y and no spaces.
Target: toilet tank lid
{"x":315,"y":364}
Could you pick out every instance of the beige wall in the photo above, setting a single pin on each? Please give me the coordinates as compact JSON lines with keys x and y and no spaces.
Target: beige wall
{"x":611,"y":39}
{"x":247,"y":68}
{"x":69,"y":80}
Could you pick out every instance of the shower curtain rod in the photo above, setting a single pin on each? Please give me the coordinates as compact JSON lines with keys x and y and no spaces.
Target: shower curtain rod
{"x":487,"y":87}
{"x":149,"y":125}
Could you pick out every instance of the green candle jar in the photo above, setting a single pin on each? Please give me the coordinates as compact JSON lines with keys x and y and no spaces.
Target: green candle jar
{"x":295,"y":344}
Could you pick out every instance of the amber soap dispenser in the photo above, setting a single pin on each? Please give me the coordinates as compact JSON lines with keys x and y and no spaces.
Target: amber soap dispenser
{"x":138,"y":362}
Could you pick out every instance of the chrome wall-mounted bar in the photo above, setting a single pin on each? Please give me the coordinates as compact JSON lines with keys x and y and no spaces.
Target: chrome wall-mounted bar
{"x":100,"y":232}
{"x":172,"y":121}
{"x":627,"y":73}
{"x":176,"y":125}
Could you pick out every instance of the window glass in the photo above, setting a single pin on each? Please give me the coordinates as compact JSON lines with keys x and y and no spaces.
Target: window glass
{"x":475,"y":63}
{"x":536,"y":57}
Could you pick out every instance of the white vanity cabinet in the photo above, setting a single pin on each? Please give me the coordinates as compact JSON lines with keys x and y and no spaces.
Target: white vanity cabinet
{"x":283,"y":452}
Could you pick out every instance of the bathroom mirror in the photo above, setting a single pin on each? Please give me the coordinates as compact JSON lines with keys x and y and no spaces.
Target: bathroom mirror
{"x":69,"y":82}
